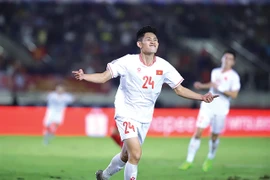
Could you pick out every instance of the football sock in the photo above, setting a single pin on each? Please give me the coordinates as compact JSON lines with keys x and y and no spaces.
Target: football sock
{"x":131,"y":171}
{"x":213,"y":145}
{"x":115,"y":165}
{"x":192,"y":149}
{"x":47,"y":137}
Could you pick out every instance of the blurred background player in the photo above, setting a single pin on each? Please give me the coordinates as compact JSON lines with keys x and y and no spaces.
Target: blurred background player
{"x":226,"y":82}
{"x":57,"y":101}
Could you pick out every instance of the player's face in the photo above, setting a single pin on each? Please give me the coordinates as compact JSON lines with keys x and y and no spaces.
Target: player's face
{"x":227,"y":61}
{"x":60,"y":89}
{"x":149,"y":43}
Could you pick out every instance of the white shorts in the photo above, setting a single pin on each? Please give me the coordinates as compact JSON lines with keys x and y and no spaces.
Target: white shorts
{"x":129,"y":128}
{"x":53,"y":117}
{"x":207,"y":117}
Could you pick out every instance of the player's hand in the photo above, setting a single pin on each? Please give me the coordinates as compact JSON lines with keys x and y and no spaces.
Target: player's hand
{"x":79,"y":75}
{"x":197,"y":85}
{"x":209,"y":97}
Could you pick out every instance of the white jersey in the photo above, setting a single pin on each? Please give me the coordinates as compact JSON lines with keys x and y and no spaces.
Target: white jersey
{"x":56,"y":103}
{"x":140,"y":85}
{"x":225,"y":81}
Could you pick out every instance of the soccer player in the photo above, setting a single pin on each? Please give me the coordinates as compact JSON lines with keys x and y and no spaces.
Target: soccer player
{"x":57,"y":102}
{"x":226,"y":83}
{"x":141,"y":79}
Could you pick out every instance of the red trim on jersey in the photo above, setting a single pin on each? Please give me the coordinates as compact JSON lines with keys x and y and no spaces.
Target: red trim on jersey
{"x":110,"y":69}
{"x":178,"y":83}
{"x":141,"y":59}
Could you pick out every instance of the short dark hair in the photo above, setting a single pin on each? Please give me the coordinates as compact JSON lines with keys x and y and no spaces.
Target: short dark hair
{"x":145,"y":29}
{"x":230,"y":51}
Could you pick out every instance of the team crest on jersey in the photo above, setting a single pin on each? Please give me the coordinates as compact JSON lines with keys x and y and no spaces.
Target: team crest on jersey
{"x":159,"y":72}
{"x":139,"y":70}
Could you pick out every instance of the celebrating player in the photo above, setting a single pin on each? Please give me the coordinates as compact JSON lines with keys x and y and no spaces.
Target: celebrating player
{"x":225,"y":82}
{"x":141,"y":79}
{"x":57,"y":102}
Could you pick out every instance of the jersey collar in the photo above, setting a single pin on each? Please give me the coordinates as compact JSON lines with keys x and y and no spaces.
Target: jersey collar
{"x":141,"y":59}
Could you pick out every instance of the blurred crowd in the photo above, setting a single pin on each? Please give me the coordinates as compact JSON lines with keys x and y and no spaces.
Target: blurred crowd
{"x":64,"y":37}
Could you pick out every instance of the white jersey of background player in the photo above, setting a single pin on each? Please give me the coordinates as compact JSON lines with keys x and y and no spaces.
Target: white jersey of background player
{"x":225,"y":82}
{"x":141,"y":79}
{"x":57,"y":101}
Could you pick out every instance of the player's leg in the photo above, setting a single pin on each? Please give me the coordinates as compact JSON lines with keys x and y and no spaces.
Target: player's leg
{"x":213,"y":145}
{"x":50,"y":130}
{"x":203,"y":121}
{"x":116,"y":136}
{"x":52,"y":121}
{"x":134,"y":151}
{"x":47,"y":133}
{"x":117,"y":163}
{"x":194,"y":144}
{"x":134,"y":155}
{"x":128,"y":155}
{"x":193,"y":147}
{"x":53,"y":127}
{"x":217,"y":126}
{"x":58,"y":120}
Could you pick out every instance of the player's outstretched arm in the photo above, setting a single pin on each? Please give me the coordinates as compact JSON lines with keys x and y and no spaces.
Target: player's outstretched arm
{"x":187,"y":93}
{"x":232,"y":94}
{"x":94,"y":78}
{"x":199,"y":85}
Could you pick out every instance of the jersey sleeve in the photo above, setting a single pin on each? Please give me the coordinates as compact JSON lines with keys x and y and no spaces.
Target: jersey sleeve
{"x":69,"y":98}
{"x":117,"y":67}
{"x":236,"y":85}
{"x":213,"y":77}
{"x":172,"y":77}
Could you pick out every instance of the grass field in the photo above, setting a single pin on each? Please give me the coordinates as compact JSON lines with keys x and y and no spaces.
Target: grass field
{"x":77,"y":158}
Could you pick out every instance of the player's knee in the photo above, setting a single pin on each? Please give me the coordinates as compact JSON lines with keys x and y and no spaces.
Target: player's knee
{"x":134,"y":149}
{"x":214,"y":137}
{"x":198,"y":134}
{"x":135,"y":156}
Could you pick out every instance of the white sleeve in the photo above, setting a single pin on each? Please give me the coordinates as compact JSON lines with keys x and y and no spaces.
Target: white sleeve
{"x":213,"y":77}
{"x":69,"y":98}
{"x":117,"y":67}
{"x":172,"y":77}
{"x":236,"y":85}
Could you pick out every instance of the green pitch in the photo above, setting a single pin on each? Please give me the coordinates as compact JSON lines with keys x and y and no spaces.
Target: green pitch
{"x":77,"y":158}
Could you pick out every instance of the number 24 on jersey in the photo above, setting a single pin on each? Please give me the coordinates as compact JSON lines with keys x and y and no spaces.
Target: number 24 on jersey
{"x":148,"y":82}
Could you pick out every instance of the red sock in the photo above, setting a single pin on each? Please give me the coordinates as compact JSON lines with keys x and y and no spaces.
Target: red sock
{"x":117,"y":139}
